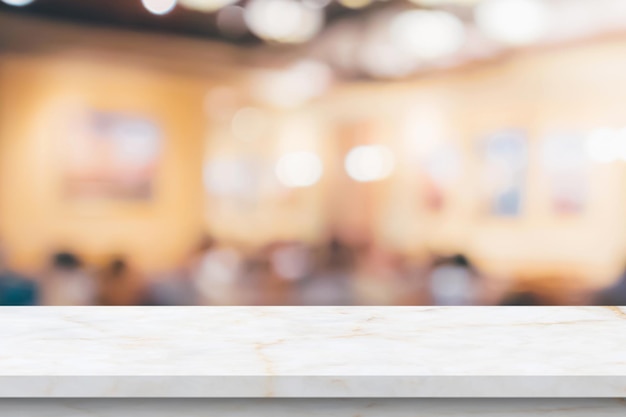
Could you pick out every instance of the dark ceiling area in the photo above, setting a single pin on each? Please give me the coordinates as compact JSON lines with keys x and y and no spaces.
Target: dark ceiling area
{"x":131,"y":14}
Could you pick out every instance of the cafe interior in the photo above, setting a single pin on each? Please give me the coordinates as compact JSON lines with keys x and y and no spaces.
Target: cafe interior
{"x":312,"y":152}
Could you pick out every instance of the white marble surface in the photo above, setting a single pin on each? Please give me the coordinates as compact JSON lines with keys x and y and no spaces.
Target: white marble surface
{"x":313,"y":407}
{"x":313,"y":352}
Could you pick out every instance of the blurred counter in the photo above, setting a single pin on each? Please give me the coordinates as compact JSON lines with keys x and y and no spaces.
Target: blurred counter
{"x":313,"y":352}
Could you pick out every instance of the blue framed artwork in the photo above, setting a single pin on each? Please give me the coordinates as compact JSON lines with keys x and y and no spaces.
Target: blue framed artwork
{"x":505,"y":161}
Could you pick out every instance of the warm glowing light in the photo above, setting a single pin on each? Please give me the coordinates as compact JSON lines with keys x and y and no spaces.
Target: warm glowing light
{"x":287,"y":21}
{"x":427,"y":34}
{"x":513,"y":22}
{"x":378,"y":55}
{"x":159,"y":7}
{"x":219,"y":266}
{"x":380,"y":60}
{"x":18,"y":3}
{"x":603,"y":145}
{"x":292,"y":86}
{"x":299,"y":169}
{"x":291,"y":262}
{"x":355,"y":4}
{"x":369,"y":163}
{"x":205,"y":5}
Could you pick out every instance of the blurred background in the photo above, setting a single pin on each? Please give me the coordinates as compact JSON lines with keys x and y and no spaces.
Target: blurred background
{"x":312,"y":152}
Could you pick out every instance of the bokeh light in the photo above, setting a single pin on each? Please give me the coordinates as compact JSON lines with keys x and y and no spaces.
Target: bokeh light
{"x":376,"y":53}
{"x":205,"y":5}
{"x":18,"y":3}
{"x":159,"y":7}
{"x":355,"y":4}
{"x":285,"y":21}
{"x":603,"y":145}
{"x":512,"y":22}
{"x":299,"y":169}
{"x":427,"y":34}
{"x":291,"y":262}
{"x":369,"y":163}
{"x":294,"y":85}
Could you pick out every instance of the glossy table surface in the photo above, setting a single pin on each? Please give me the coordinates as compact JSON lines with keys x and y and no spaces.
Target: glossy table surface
{"x":323,"y":352}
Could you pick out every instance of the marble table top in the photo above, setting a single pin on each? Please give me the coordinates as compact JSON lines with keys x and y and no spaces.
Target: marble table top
{"x":324,"y":352}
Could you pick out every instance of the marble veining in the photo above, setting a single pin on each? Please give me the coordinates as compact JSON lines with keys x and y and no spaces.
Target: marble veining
{"x":350,"y":352}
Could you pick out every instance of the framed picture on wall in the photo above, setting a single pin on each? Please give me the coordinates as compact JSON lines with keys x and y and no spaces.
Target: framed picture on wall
{"x":111,"y":156}
{"x":504,"y":165}
{"x":565,"y":168}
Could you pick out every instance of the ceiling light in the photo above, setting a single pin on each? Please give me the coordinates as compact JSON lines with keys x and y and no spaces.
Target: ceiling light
{"x":427,"y":34}
{"x":18,"y":3}
{"x":512,"y":22}
{"x":286,"y":21}
{"x":369,"y":163}
{"x":206,"y":6}
{"x":299,"y":169}
{"x":159,"y":7}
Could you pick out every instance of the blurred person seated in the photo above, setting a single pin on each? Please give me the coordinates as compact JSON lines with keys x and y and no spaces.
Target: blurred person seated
{"x":614,"y":295}
{"x":178,"y":287}
{"x":412,"y":287}
{"x":67,"y":282}
{"x":208,"y":276}
{"x":215,"y":271}
{"x":286,"y":265}
{"x":15,"y":290}
{"x":255,"y":268}
{"x":171,"y":288}
{"x":546,"y":290}
{"x":454,"y":282}
{"x":291,"y":261}
{"x":522,"y":297}
{"x":120,"y":284}
{"x":328,"y":282}
{"x":377,"y":277}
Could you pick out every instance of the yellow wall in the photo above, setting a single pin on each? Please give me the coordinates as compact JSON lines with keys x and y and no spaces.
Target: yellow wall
{"x":34,"y":219}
